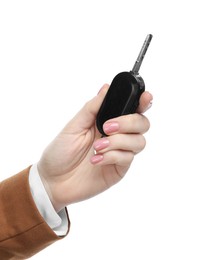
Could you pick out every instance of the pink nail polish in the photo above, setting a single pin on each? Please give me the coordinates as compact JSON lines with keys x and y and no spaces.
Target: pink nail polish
{"x":111,"y":127}
{"x":97,"y":158}
{"x":101,"y":144}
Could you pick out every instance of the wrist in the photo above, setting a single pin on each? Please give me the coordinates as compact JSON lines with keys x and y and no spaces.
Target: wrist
{"x":57,"y":221}
{"x":49,"y":187}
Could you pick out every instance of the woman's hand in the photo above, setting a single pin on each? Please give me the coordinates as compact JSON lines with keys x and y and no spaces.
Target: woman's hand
{"x":79,"y":164}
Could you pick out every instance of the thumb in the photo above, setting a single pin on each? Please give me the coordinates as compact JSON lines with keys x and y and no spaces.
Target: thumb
{"x":85,"y":118}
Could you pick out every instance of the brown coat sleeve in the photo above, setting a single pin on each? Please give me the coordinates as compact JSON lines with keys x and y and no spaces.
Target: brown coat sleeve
{"x":23,"y":231}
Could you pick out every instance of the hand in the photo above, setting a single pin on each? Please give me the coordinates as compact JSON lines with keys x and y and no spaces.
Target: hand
{"x":70,"y":169}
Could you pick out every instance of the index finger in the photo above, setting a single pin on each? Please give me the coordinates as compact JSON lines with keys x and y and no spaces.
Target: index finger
{"x":145,"y":102}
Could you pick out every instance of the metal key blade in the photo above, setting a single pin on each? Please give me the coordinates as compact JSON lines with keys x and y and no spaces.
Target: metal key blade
{"x":141,"y":55}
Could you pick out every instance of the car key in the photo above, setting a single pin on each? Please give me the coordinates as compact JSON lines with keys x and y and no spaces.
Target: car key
{"x":124,"y":92}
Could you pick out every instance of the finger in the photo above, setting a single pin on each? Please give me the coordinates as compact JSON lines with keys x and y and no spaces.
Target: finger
{"x":115,"y":157}
{"x":145,"y":102}
{"x":132,"y":142}
{"x":85,"y":118}
{"x":132,"y":123}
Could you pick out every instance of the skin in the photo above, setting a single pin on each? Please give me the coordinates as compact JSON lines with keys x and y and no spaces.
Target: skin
{"x":78,"y":164}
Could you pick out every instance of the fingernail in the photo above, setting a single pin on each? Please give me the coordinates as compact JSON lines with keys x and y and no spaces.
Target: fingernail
{"x":104,"y":86}
{"x":96,"y":158}
{"x":111,"y":127}
{"x":100,"y":90}
{"x":101,"y":144}
{"x":149,"y":105}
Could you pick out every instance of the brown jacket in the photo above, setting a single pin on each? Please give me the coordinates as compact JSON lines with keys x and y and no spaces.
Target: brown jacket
{"x":23,"y":231}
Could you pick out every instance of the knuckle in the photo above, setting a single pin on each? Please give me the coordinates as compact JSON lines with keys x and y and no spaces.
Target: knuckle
{"x":140,"y":123}
{"x":146,"y":124}
{"x":141,"y":142}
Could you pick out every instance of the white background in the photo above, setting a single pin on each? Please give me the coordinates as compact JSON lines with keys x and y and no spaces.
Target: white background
{"x":54,"y":56}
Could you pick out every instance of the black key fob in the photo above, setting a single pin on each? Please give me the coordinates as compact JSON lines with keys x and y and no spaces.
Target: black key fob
{"x":124,"y":93}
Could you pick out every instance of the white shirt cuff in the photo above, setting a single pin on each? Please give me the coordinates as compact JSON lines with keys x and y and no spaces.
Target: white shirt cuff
{"x":58,"y":222}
